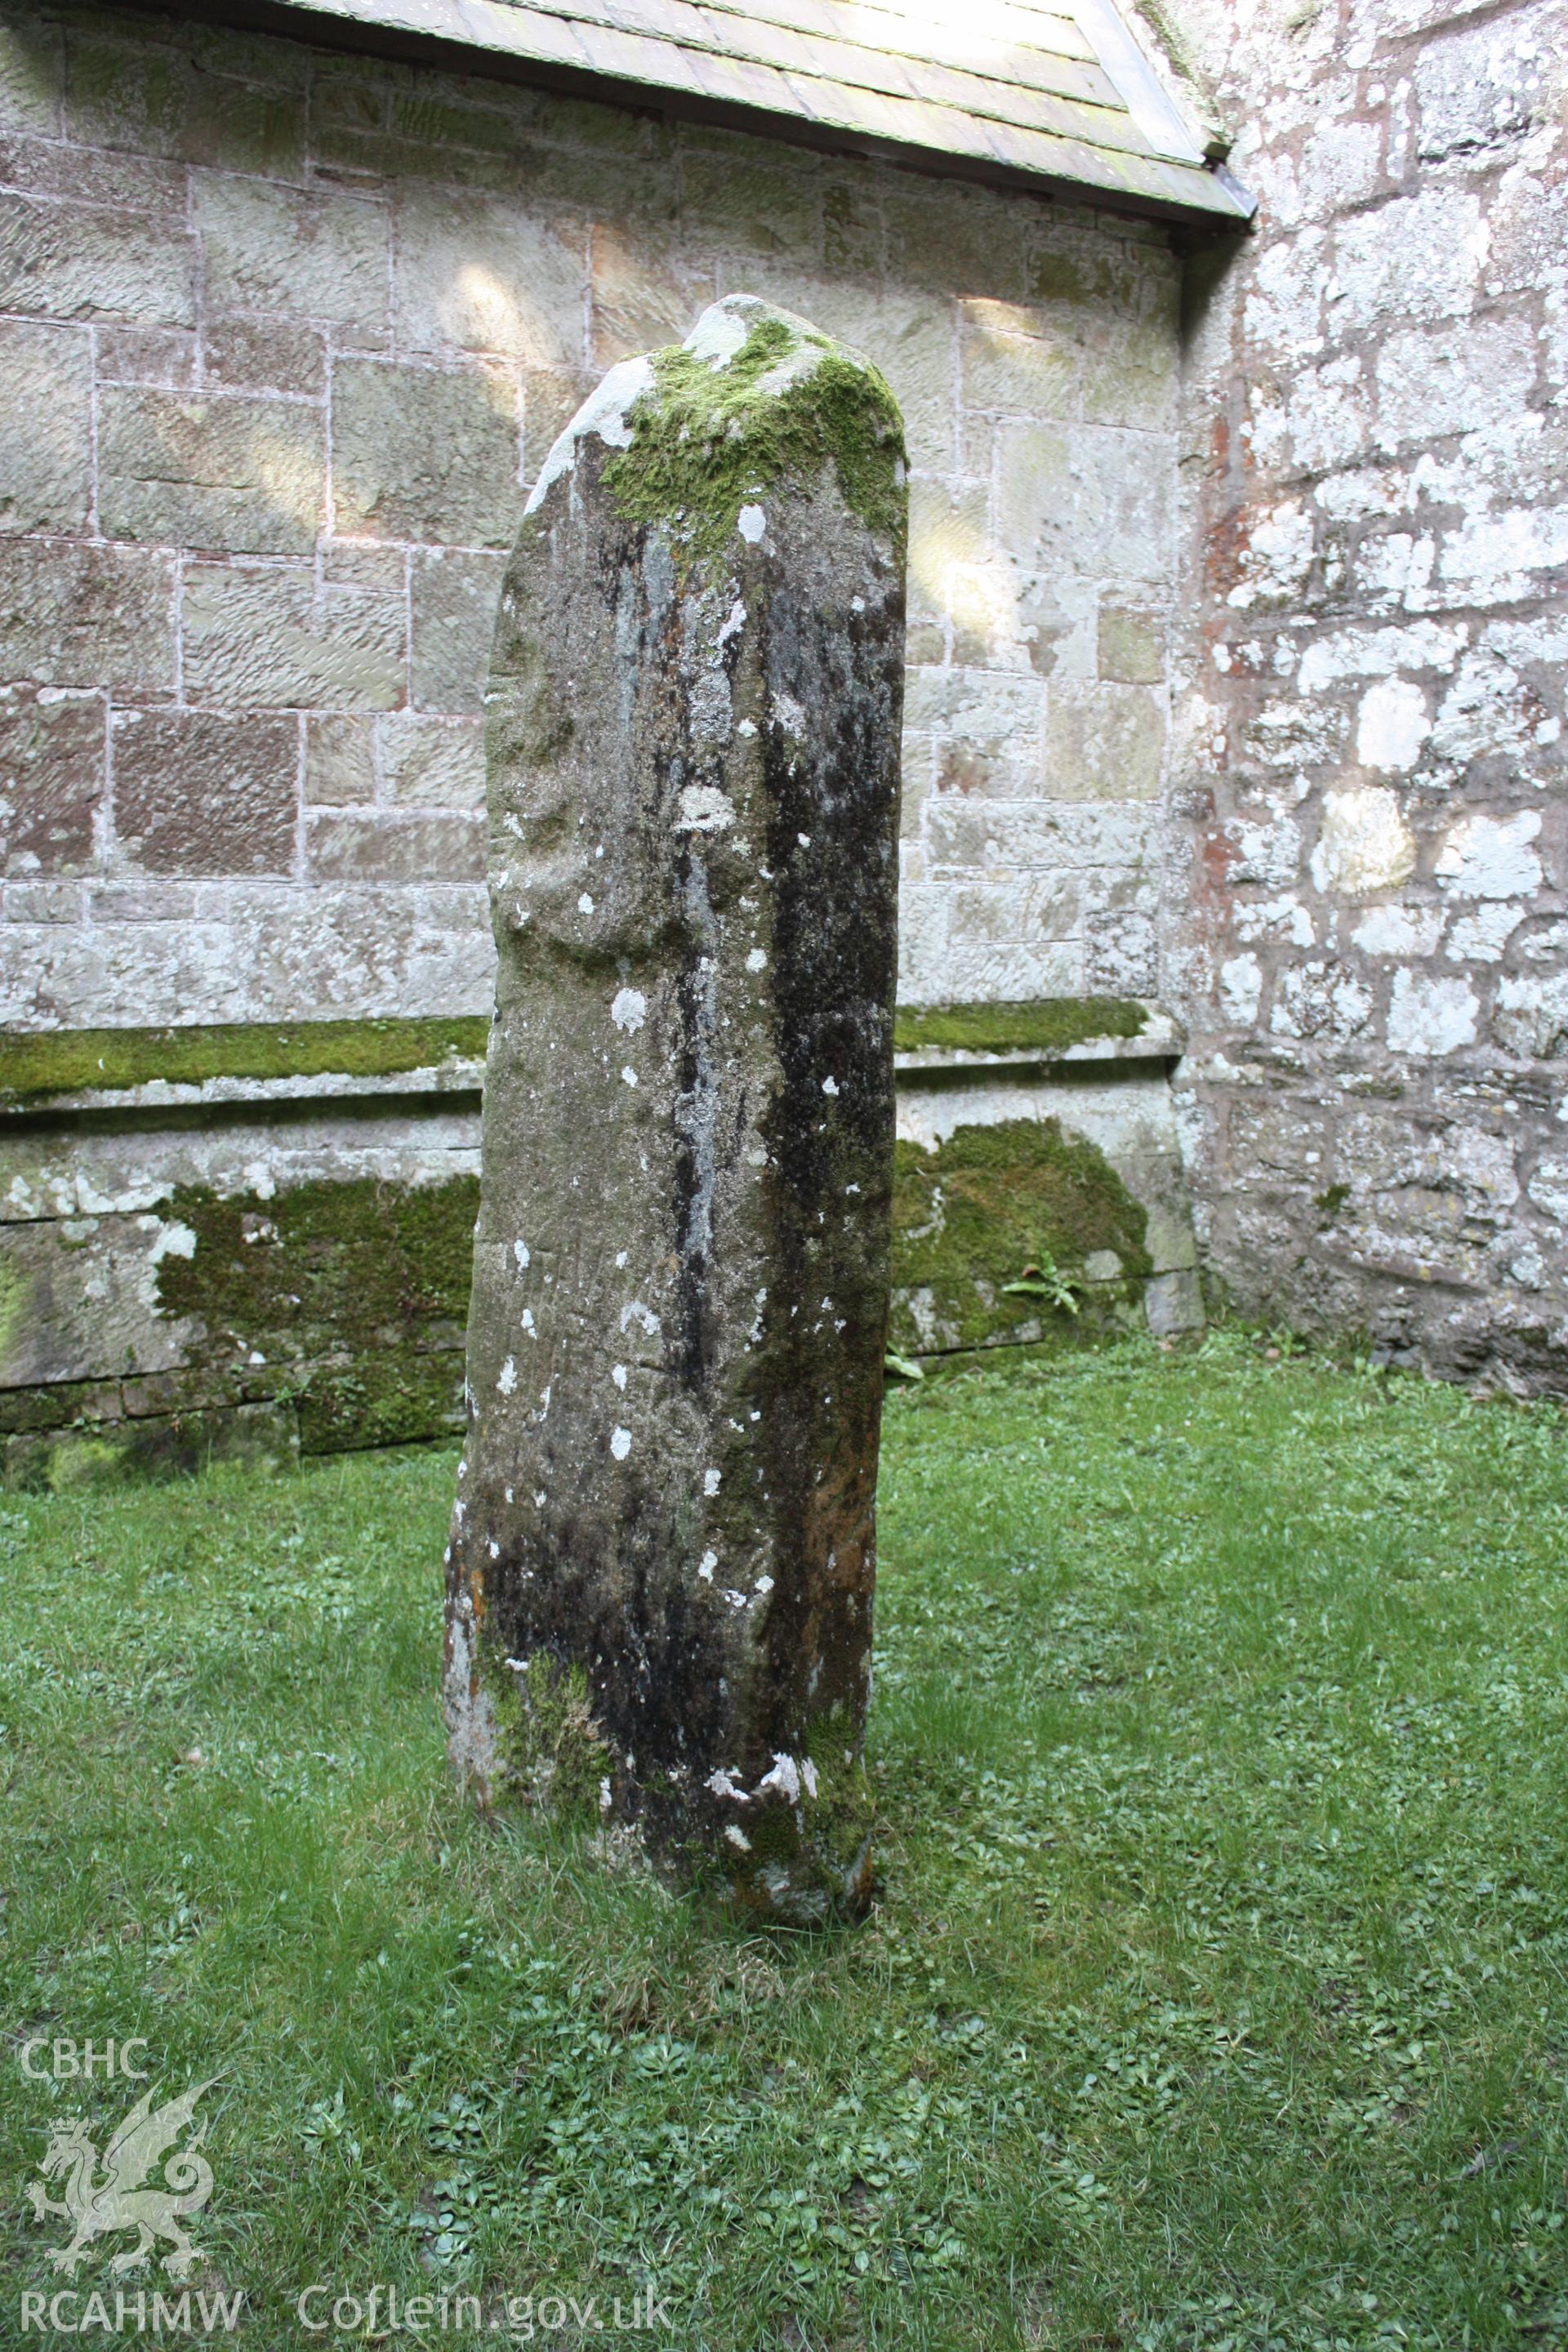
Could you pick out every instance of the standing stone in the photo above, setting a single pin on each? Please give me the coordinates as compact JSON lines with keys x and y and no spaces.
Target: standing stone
{"x":662,"y":1554}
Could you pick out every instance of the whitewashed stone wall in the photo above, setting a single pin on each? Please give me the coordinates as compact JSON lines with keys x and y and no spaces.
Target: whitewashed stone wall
{"x":1369,"y":841}
{"x":284,"y":336}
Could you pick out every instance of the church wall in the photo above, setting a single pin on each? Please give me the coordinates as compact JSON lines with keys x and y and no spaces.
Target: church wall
{"x":1368,"y":930}
{"x":284,"y":337}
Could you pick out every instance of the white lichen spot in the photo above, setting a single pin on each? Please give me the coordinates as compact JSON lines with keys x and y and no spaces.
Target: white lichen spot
{"x":830,"y":1086}
{"x":784,"y":1777}
{"x":803,"y":839}
{"x":703,"y":808}
{"x":630,"y":1011}
{"x":1240,"y":987}
{"x":494,"y":1549}
{"x":505,"y":1379}
{"x":605,"y":1799}
{"x":735,"y":621}
{"x":1392,"y":726}
{"x":528,"y":1322}
{"x":757,"y":960}
{"x":763,"y":1585}
{"x":1364,"y":842}
{"x":737,"y":1836}
{"x":1431,"y":1016}
{"x":584,"y":904}
{"x":621,"y":1443}
{"x":718,"y":335}
{"x":628,"y":1075}
{"x":706,"y":1565}
{"x":856,"y":603}
{"x":1481,"y":938}
{"x":637,"y":1313}
{"x":520,"y":1252}
{"x":1490,"y":856}
{"x":1399,"y":930}
{"x":607,"y":412}
{"x":710,"y":1481}
{"x":746,"y":727}
{"x":750,"y":523}
{"x":620,"y":1261}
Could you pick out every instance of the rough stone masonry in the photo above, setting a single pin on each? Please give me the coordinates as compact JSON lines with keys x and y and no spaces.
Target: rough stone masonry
{"x":662,"y":1554}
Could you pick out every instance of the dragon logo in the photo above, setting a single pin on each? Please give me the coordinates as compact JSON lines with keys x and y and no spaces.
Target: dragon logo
{"x":96,"y":2203}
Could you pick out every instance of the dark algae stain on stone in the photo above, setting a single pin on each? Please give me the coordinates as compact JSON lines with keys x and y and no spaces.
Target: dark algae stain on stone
{"x":681,"y":1267}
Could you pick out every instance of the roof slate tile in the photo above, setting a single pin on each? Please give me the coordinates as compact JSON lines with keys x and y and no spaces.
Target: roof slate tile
{"x":997,"y":86}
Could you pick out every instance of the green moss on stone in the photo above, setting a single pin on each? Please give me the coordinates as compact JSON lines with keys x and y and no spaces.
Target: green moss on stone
{"x":992,"y":1201}
{"x":550,"y":1753}
{"x":1045,"y":1024}
{"x":710,"y":440}
{"x":164,"y":1446}
{"x":354,"y":1293}
{"x":397,"y":1399}
{"x":14,"y":1289}
{"x":39,"y":1062}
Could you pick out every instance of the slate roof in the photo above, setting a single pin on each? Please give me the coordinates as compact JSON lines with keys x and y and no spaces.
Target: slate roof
{"x":996,"y":90}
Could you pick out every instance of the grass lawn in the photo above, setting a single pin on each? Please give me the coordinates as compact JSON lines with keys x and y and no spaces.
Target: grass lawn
{"x":1216,"y":1997}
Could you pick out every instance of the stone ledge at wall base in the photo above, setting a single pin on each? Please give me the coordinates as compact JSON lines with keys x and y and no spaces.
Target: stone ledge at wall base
{"x":253,"y":1242}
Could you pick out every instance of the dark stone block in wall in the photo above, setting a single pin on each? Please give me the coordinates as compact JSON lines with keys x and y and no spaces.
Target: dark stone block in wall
{"x":90,"y":617}
{"x":51,"y":780}
{"x":128,"y":93}
{"x":364,"y":846}
{"x":261,"y":355}
{"x":45,"y":427}
{"x":82,"y":261}
{"x":197,"y":793}
{"x":244,"y":476}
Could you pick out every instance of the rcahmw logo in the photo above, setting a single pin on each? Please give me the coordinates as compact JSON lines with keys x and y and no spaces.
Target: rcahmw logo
{"x":103,"y":2196}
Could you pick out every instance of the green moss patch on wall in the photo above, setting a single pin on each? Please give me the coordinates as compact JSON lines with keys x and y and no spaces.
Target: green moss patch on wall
{"x":978,"y":1212}
{"x":348,"y":1297}
{"x":708,"y":439}
{"x":40,"y":1062}
{"x":1046,"y":1025}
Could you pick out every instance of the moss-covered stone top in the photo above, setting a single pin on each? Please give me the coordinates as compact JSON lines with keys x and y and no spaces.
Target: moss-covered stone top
{"x":703,"y":431}
{"x":1048,"y":1024}
{"x":42,"y":1062}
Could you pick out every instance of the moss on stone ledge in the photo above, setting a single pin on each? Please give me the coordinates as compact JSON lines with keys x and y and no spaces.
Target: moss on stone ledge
{"x":712,"y":438}
{"x":1045,"y":1024}
{"x":41,"y":1062}
{"x":349,"y":1296}
{"x":975,"y":1214}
